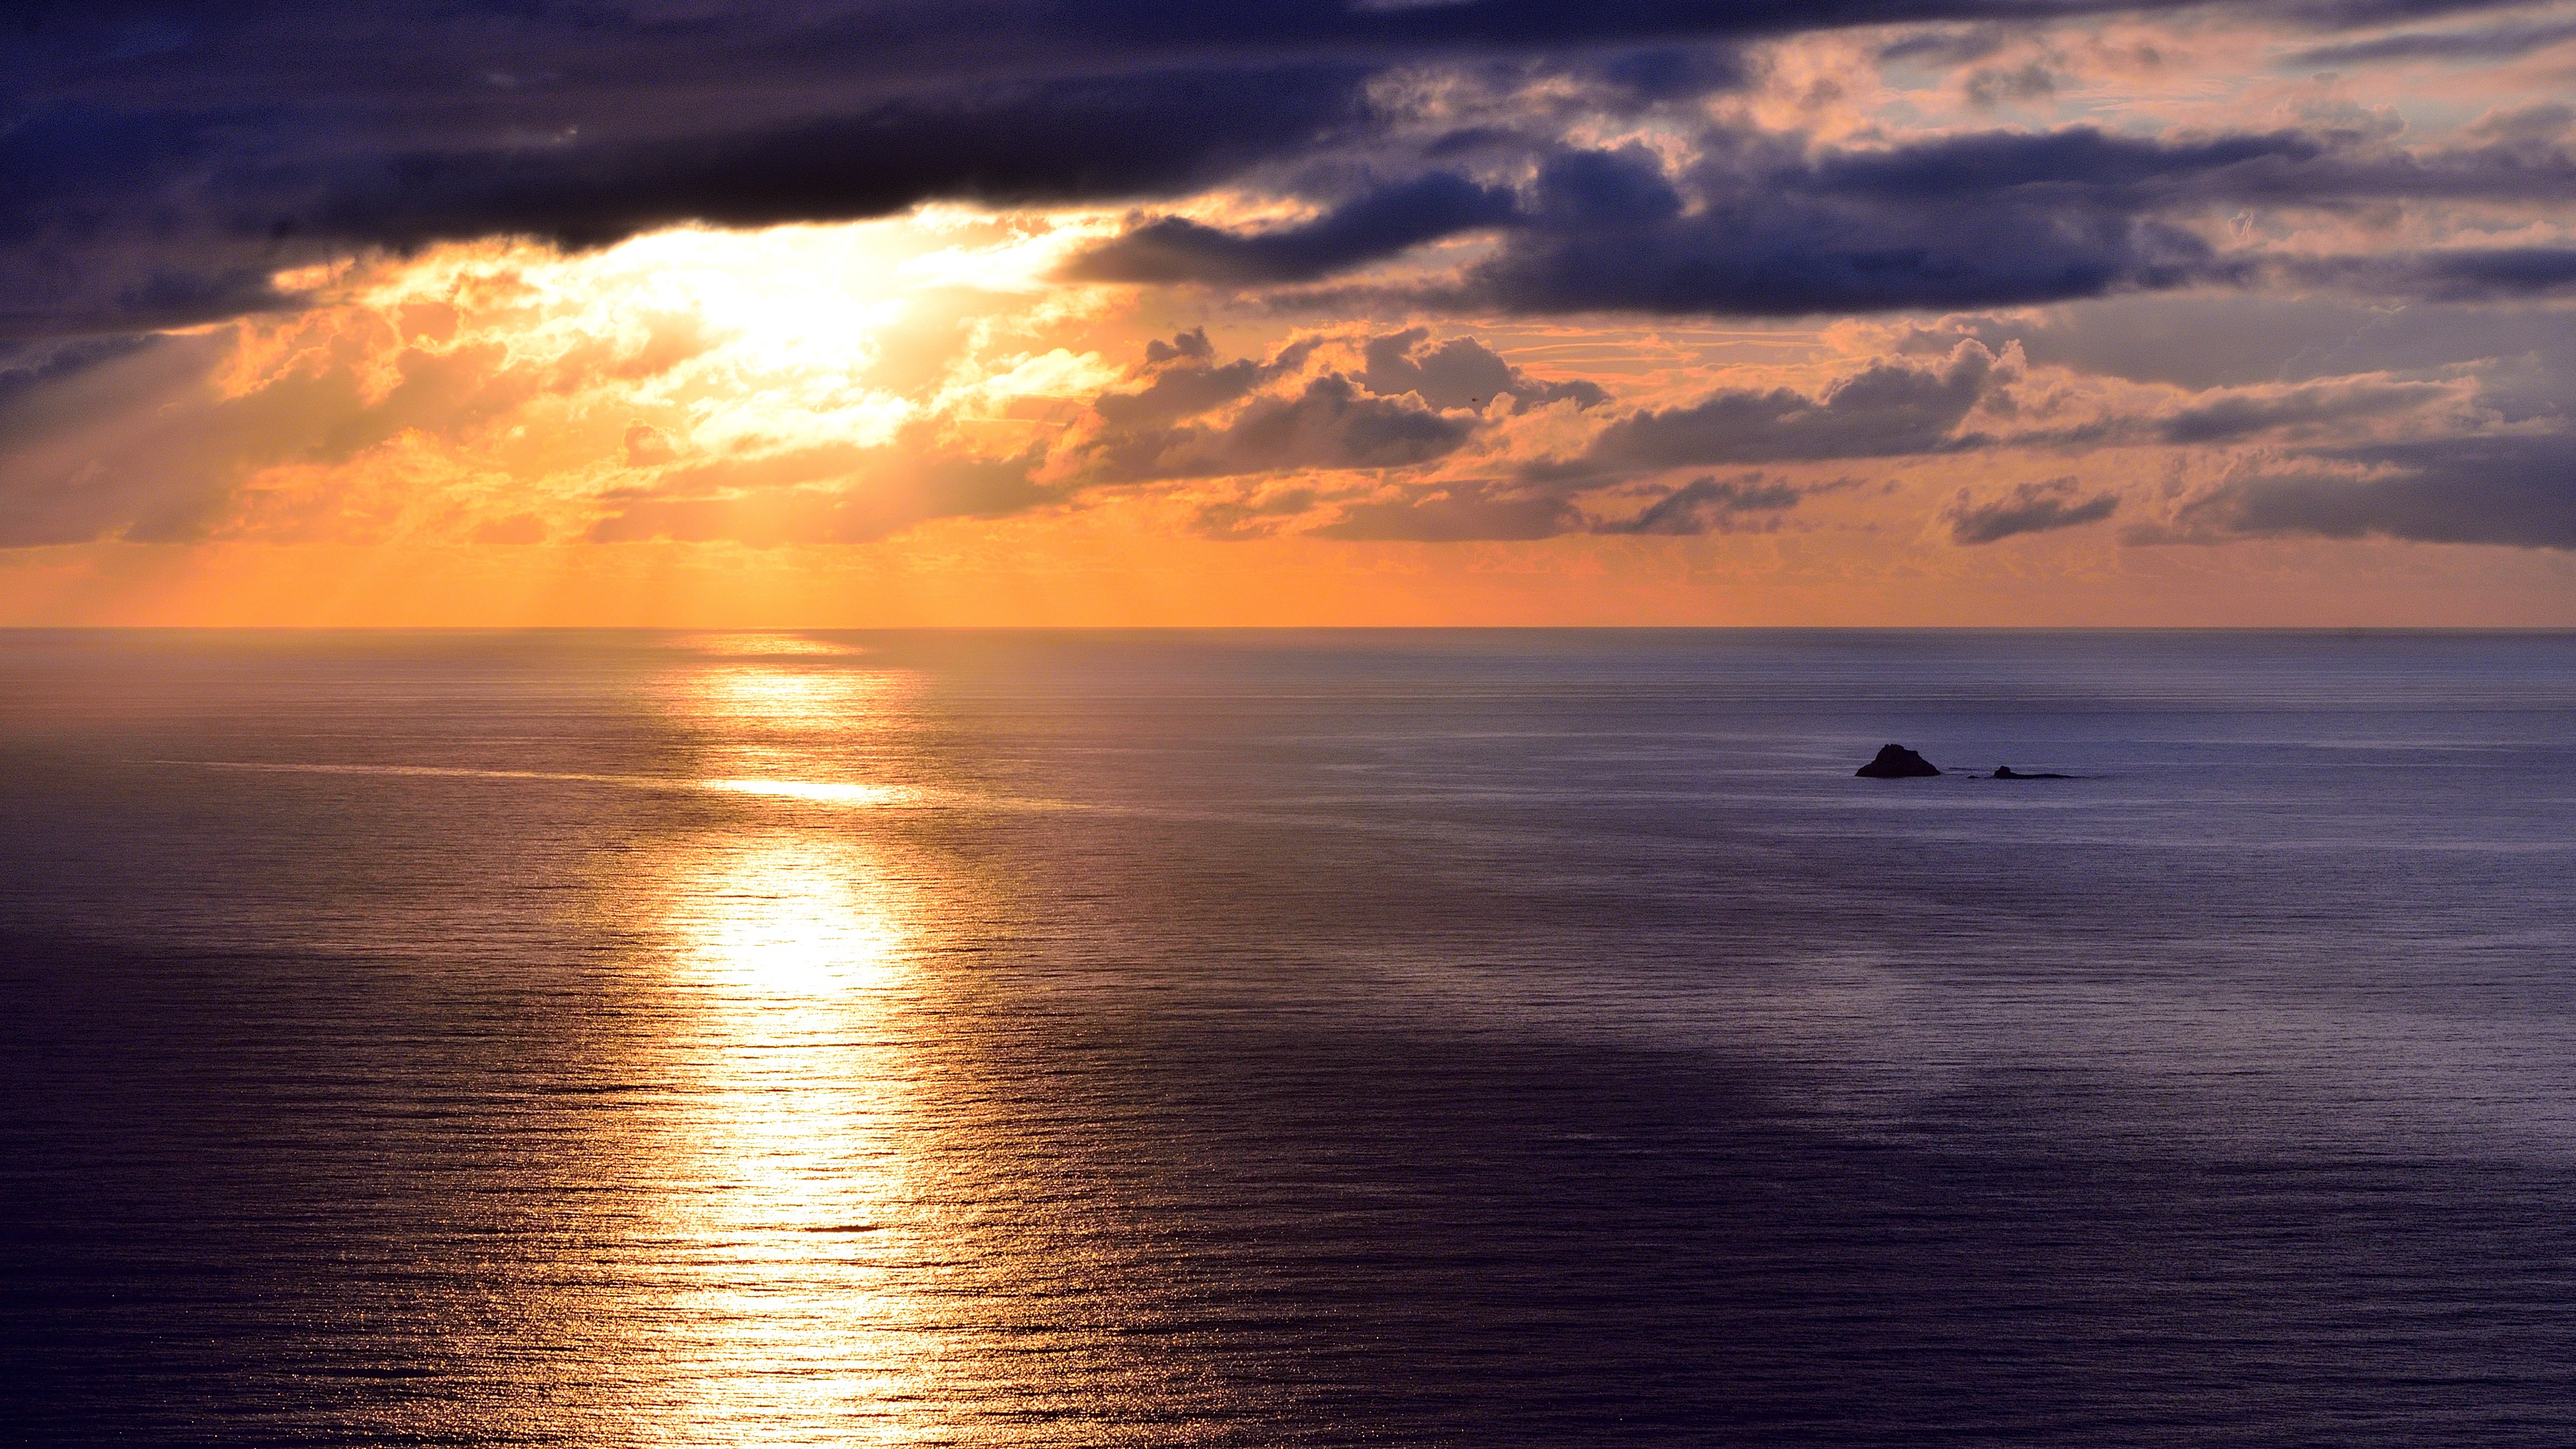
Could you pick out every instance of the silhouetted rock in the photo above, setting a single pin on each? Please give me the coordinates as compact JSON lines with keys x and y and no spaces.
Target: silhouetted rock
{"x":2007,"y":772}
{"x":1896,"y":762}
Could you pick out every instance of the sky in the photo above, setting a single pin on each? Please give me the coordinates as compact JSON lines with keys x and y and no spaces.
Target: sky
{"x":1335,"y":312}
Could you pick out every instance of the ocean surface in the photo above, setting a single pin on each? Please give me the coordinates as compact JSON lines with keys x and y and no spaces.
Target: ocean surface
{"x":1516,"y":1038}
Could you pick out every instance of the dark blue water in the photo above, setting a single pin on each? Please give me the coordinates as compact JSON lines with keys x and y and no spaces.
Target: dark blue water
{"x":1407,"y":1038}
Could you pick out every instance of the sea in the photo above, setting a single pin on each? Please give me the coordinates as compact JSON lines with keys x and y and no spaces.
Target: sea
{"x":1477,"y":1038}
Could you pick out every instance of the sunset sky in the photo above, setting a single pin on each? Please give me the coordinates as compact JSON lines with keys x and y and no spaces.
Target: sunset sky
{"x":691,"y":312}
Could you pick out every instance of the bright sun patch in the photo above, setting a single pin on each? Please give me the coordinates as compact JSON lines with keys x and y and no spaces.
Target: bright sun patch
{"x":521,"y":394}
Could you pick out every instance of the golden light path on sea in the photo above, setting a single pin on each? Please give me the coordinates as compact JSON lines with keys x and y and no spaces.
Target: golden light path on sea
{"x":791,"y":936}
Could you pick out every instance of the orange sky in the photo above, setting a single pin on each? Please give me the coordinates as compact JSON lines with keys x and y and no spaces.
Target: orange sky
{"x":1100,"y":574}
{"x":931,"y":419}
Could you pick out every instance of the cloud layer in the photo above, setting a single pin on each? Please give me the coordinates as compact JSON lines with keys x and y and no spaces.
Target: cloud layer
{"x":1944,"y":284}
{"x":163,"y":161}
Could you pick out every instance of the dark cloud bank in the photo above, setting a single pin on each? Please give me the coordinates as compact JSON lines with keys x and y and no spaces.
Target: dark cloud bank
{"x":158,"y":161}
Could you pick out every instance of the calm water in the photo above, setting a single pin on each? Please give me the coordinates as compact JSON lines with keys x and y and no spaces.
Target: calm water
{"x":1286,"y":1039}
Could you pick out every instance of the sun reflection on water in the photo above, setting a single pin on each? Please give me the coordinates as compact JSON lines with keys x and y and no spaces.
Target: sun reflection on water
{"x":764,"y":645}
{"x":826,"y":792}
{"x":792,"y":949}
{"x":776,"y":921}
{"x":790,"y":726}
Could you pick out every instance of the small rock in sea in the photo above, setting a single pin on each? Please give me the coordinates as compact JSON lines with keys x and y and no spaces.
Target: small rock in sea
{"x":1896,"y":762}
{"x":2007,"y":772}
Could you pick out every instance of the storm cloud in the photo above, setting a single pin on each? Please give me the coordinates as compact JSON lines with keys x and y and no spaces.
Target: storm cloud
{"x":1757,"y":227}
{"x":1367,"y":228}
{"x":160,"y":162}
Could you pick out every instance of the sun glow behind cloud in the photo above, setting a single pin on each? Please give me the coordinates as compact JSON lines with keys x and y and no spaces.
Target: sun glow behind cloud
{"x":512,"y":387}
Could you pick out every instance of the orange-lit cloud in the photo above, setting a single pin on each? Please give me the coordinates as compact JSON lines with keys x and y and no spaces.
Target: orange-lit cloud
{"x":1984,"y":320}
